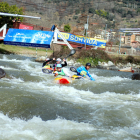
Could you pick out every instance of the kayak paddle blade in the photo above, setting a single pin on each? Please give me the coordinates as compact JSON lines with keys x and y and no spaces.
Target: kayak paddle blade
{"x":73,"y":51}
{"x":73,"y":69}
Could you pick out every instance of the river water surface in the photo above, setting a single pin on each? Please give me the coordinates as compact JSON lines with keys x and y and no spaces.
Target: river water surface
{"x":33,"y":107}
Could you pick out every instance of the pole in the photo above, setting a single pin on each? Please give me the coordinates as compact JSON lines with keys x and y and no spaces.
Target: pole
{"x":105,"y":32}
{"x":86,"y":30}
{"x":46,"y":52}
{"x":120,"y":44}
{"x":36,"y":51}
{"x":16,"y":15}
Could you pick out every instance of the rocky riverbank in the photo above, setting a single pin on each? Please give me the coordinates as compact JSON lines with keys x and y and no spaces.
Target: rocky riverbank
{"x":101,"y":65}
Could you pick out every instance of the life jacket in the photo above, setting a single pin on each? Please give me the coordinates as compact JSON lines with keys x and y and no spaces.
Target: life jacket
{"x":61,"y":73}
{"x":83,"y":72}
{"x":55,"y":69}
{"x":47,"y":66}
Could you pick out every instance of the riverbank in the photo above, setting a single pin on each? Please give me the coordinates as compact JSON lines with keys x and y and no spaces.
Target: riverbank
{"x":27,"y":51}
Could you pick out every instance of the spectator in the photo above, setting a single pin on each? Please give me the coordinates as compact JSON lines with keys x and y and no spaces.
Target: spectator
{"x":14,"y":22}
{"x":53,"y":27}
{"x":18,"y":23}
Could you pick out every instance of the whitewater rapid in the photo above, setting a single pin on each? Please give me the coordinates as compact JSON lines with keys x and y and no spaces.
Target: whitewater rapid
{"x":34,"y":107}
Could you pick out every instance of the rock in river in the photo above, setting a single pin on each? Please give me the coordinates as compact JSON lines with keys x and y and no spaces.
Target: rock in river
{"x":2,"y":73}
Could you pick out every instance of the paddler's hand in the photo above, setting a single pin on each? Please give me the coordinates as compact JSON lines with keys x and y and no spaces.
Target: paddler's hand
{"x":56,"y":74}
{"x":53,"y":58}
{"x":64,"y":60}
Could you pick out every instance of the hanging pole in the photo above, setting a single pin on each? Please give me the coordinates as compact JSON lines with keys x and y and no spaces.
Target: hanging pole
{"x":46,"y":52}
{"x":36,"y":51}
{"x":53,"y":50}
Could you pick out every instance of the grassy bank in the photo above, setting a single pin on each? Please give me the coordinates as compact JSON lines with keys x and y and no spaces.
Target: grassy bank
{"x":30,"y":51}
{"x":82,"y":56}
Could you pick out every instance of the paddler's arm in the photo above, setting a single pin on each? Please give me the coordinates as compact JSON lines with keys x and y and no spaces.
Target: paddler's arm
{"x":46,"y":62}
{"x":66,"y":73}
{"x":91,"y":78}
{"x":55,"y":74}
{"x":65,"y":63}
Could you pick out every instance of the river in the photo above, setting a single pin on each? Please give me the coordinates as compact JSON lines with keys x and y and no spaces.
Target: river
{"x":33,"y":107}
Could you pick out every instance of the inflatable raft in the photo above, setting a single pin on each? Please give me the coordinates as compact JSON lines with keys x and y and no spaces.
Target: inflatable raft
{"x":128,"y":69}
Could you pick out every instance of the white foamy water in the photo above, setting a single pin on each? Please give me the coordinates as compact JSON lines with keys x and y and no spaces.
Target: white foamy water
{"x":34,"y":107}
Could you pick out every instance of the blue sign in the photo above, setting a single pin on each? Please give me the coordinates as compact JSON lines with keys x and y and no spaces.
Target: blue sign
{"x":81,"y":39}
{"x":31,"y":38}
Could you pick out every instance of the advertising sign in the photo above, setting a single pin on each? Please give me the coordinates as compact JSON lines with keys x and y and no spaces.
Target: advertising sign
{"x":26,"y":27}
{"x":81,"y":39}
{"x":32,"y":38}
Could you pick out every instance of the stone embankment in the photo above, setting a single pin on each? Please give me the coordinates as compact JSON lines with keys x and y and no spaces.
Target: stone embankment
{"x":101,"y":65}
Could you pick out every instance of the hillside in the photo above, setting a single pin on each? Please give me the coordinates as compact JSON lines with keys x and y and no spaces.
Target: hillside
{"x":114,"y":13}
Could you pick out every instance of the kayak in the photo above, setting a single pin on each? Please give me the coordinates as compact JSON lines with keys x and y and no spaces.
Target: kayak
{"x":47,"y":70}
{"x":62,"y":80}
{"x":66,"y":80}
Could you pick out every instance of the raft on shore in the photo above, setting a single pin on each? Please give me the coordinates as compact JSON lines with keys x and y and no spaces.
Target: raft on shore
{"x":128,"y":69}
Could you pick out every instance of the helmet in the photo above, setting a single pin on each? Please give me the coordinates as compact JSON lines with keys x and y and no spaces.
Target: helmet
{"x":58,"y":59}
{"x":88,"y":64}
{"x":59,"y":66}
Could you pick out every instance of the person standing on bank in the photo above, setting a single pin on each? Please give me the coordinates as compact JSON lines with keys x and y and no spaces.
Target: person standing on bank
{"x":53,"y":27}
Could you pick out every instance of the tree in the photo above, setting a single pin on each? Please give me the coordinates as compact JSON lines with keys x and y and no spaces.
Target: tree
{"x":77,"y":11}
{"x":75,"y":17}
{"x":13,"y":9}
{"x":67,"y":28}
{"x":91,"y":10}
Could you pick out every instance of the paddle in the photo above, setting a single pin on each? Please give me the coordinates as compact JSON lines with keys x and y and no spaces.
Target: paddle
{"x":73,"y":69}
{"x":73,"y":51}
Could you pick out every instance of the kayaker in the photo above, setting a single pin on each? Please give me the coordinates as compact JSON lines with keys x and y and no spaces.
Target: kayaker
{"x":83,"y":71}
{"x":58,"y":61}
{"x":60,"y":71}
{"x":46,"y":64}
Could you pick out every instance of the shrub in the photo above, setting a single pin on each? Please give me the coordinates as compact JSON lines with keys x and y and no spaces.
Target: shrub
{"x":67,"y":28}
{"x":130,"y":59}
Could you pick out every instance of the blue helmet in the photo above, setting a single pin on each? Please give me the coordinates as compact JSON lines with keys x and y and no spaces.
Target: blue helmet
{"x":59,"y":66}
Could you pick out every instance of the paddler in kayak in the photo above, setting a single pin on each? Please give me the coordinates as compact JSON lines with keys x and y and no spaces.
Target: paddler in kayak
{"x":58,"y":61}
{"x":83,"y":71}
{"x":60,"y":71}
{"x":46,"y":65}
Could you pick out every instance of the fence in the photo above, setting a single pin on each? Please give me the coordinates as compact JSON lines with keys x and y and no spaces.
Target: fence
{"x":123,"y":50}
